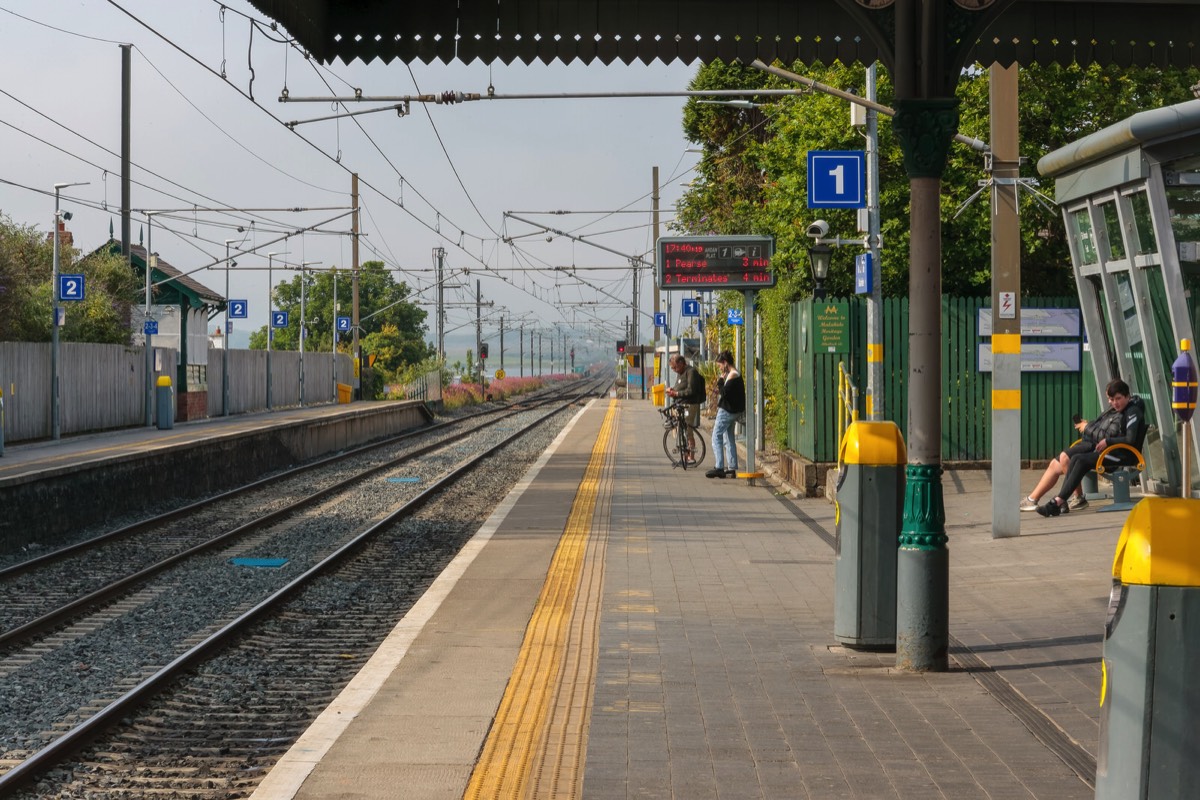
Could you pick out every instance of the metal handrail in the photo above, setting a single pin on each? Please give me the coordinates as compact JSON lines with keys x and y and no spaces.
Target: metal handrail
{"x":847,"y":395}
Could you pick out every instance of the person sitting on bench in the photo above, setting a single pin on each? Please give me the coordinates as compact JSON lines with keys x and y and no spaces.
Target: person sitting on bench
{"x":1133,"y":432}
{"x":1110,"y":423}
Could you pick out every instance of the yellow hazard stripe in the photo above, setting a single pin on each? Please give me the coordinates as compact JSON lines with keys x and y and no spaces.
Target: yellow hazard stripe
{"x":505,"y":763}
{"x":1006,"y":398}
{"x":875,"y":353}
{"x":1006,"y":343}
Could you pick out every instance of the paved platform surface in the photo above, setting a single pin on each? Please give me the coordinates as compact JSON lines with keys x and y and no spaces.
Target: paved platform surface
{"x":715,"y":673}
{"x":29,"y":460}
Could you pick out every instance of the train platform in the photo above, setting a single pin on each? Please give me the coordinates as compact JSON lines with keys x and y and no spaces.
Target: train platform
{"x":622,"y":629}
{"x":91,"y":478}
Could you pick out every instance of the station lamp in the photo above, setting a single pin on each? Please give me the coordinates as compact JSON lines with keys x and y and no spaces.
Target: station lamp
{"x":819,"y":256}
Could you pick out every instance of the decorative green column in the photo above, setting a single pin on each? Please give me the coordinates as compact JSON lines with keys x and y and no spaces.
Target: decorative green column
{"x":923,"y":574}
{"x":926,"y":129}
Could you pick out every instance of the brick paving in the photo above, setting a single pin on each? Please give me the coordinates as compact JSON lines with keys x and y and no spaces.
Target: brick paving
{"x":719,"y":677}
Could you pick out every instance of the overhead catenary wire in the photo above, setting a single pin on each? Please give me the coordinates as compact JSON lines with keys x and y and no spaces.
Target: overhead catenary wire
{"x":439,"y":227}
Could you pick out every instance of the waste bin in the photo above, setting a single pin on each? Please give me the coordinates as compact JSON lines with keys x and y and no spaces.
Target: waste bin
{"x":165,"y":402}
{"x":870,"y":503}
{"x":1149,"y":695}
{"x":345,"y":392}
{"x":658,"y":394}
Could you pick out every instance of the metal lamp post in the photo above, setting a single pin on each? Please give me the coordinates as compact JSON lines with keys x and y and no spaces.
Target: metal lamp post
{"x":55,"y":415}
{"x":302,"y":288}
{"x":333,"y":328}
{"x":819,"y":256}
{"x":270,"y":318}
{"x":225,"y":340}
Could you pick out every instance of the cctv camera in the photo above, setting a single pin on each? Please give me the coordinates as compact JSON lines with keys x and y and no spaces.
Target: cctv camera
{"x":66,"y":215}
{"x":818,"y":229}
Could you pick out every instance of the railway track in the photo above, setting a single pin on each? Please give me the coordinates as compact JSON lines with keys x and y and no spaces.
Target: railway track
{"x":338,"y":608}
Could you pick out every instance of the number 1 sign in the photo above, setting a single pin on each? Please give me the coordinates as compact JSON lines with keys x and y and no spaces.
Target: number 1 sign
{"x":837,"y":179}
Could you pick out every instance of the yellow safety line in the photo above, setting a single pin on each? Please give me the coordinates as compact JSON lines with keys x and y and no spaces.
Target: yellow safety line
{"x":505,"y":763}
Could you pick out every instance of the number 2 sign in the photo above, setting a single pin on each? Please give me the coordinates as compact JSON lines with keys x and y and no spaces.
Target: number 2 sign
{"x":71,"y":287}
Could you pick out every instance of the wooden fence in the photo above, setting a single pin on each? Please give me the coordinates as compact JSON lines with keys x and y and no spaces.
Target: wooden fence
{"x":103,"y":387}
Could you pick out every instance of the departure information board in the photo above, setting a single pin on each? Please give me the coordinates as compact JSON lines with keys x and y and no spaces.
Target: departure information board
{"x":715,"y":262}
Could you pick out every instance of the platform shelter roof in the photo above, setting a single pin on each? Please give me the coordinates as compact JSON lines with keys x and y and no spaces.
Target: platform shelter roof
{"x":1107,"y":32}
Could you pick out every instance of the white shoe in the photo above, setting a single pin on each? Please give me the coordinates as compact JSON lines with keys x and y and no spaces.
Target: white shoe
{"x":1029,"y":504}
{"x":1077,"y":502}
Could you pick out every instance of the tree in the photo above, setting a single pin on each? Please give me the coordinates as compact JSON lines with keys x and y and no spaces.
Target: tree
{"x":751,"y":180}
{"x":26,"y":273}
{"x":392,"y":328}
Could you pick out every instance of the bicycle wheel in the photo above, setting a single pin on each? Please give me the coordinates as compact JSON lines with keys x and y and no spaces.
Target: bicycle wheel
{"x":671,"y":446}
{"x":700,"y":450}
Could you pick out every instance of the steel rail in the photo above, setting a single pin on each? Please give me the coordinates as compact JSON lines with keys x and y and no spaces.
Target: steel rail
{"x":82,"y":733}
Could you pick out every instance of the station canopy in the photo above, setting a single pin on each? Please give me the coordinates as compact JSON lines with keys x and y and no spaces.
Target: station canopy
{"x":1130,"y":33}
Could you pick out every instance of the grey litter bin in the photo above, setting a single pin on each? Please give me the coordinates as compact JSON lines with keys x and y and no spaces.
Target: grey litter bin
{"x":1149,"y":693}
{"x":165,"y":401}
{"x":870,"y":504}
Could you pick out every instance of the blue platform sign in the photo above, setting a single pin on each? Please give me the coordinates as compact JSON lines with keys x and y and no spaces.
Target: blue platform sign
{"x":279,"y":319}
{"x":660,"y":319}
{"x":150,"y":327}
{"x":238,"y":309}
{"x":343,"y":324}
{"x":734,"y":316}
{"x":837,"y":179}
{"x":690,"y":306}
{"x":228,"y":327}
{"x":864,"y":273}
{"x":71,"y":287}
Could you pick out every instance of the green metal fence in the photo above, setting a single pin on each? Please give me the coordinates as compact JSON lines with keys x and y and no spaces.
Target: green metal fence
{"x":824,"y":333}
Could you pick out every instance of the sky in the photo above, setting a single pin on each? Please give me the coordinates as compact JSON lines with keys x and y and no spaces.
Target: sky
{"x":442,"y":176}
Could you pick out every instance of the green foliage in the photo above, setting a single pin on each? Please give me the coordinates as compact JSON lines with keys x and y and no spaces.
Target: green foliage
{"x":26,"y":270}
{"x":752,"y":180}
{"x":393,"y":329}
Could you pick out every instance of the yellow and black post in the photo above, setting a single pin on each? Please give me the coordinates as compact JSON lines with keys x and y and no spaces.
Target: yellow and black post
{"x":1149,"y":695}
{"x":165,"y":401}
{"x":870,"y":504}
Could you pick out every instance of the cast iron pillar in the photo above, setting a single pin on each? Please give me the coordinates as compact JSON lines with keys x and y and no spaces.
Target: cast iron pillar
{"x":925,"y":128}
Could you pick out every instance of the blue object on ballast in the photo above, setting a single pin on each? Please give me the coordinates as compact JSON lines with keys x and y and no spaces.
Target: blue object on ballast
{"x":404,"y":480}
{"x":273,"y":563}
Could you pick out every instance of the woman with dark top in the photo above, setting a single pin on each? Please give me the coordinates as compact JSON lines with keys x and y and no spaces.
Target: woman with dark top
{"x":731,"y":404}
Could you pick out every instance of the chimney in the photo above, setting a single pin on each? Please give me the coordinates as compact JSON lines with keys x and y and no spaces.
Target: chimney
{"x":65,"y":237}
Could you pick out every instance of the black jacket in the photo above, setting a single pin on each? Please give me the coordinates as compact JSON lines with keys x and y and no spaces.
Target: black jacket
{"x":1133,"y":429}
{"x":731,"y":394}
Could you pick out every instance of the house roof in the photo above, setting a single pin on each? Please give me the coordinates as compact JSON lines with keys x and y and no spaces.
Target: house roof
{"x":1130,"y":33}
{"x":197,"y":293}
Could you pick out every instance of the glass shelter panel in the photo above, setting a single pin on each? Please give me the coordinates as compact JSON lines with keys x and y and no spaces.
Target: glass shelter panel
{"x":1147,"y":242}
{"x":1081,"y":230}
{"x":1182,"y":180}
{"x":1112,"y":232}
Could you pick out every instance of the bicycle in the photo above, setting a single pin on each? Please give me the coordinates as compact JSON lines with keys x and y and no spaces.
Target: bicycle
{"x":675,"y":438}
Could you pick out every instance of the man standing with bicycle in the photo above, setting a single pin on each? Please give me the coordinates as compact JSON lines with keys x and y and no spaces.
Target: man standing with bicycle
{"x":688,"y":391}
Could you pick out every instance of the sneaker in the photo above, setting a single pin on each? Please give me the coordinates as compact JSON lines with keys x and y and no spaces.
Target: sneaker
{"x":1029,"y":504}
{"x":1052,"y":509}
{"x":1077,"y":502}
{"x":715,"y":473}
{"x":731,"y":473}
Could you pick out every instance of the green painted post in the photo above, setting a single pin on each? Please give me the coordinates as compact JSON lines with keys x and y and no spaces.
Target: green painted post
{"x":925,"y":128}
